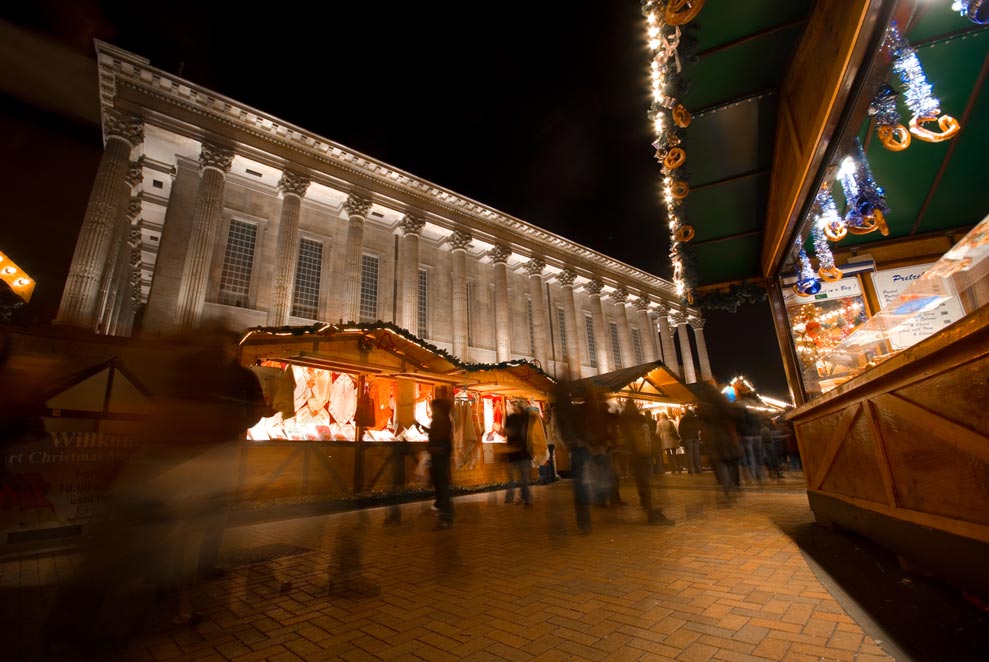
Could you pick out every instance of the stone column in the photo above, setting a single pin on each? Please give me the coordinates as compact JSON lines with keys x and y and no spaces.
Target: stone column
{"x":647,"y":332}
{"x":459,"y":242}
{"x":602,"y":340}
{"x":679,"y":320}
{"x":80,"y":298}
{"x":666,"y":339}
{"x":566,"y":278}
{"x":119,"y":255}
{"x":118,"y":283}
{"x":409,"y":285}
{"x":534,"y":268}
{"x":619,"y":297}
{"x":705,"y":362}
{"x":123,"y":323}
{"x":357,"y":209}
{"x":215,"y":162}
{"x":503,"y":331}
{"x":293,"y":187}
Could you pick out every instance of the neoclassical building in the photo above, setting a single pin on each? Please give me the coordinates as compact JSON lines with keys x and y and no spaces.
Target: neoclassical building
{"x":205,"y":209}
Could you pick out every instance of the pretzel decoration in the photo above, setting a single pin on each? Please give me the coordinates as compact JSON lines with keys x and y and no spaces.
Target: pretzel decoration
{"x":680,"y":190}
{"x":675,"y":158}
{"x":874,"y":221}
{"x":835,"y":232}
{"x":681,"y":116}
{"x":684,"y":233}
{"x":680,"y":12}
{"x":949,"y":128}
{"x":830,"y":274}
{"x":894,"y":138}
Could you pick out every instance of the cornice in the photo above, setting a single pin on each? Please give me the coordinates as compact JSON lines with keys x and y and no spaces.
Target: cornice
{"x":119,"y":69}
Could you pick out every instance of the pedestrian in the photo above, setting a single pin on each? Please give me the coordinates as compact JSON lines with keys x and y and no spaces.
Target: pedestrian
{"x":519,"y":459}
{"x":670,"y":440}
{"x":637,"y":428}
{"x":440,"y":447}
{"x":689,"y":431}
{"x":572,"y":425}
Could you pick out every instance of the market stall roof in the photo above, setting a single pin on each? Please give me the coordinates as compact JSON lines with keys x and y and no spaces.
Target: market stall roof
{"x":648,"y":381}
{"x":744,"y":53}
{"x":521,"y":379}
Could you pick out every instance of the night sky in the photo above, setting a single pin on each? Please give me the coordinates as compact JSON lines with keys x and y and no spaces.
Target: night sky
{"x":535,"y":108}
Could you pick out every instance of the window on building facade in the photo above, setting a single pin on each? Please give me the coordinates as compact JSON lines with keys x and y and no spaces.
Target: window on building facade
{"x":616,"y":346}
{"x":422,"y":299}
{"x":592,"y":348}
{"x":532,"y":331}
{"x":308,"y":268}
{"x":637,"y":347}
{"x":238,"y":263}
{"x":470,"y":326}
{"x":369,"y":289}
{"x":562,"y":323}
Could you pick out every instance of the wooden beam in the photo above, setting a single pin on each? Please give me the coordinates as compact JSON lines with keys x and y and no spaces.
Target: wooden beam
{"x":882,"y":459}
{"x":958,"y":436}
{"x":837,"y":439}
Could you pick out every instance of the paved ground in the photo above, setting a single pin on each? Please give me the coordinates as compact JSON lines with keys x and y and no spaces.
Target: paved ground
{"x":507,"y":583}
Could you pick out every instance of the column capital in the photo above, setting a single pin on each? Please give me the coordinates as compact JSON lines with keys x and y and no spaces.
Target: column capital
{"x":696,"y":322}
{"x":662,"y":309}
{"x":620,"y":296}
{"x":567,"y":277}
{"x":460,"y":240}
{"x":677,"y":318}
{"x":217,"y":157}
{"x":642,"y":304}
{"x":133,"y":209}
{"x":594,"y":286}
{"x":500,"y":253}
{"x":135,"y":172}
{"x":535,"y":266}
{"x":357,"y":205}
{"x":412,"y":224}
{"x":293,"y":183}
{"x":123,"y":127}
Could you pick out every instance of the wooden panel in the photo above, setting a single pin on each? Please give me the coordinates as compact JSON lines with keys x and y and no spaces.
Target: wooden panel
{"x":931,"y":476}
{"x":961,"y":394}
{"x":854,"y":471}
{"x":814,"y":437}
{"x":811,"y":98}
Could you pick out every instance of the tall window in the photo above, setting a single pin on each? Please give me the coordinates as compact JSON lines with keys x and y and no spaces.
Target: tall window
{"x":369,"y":288}
{"x":470,"y":327}
{"x":637,"y":347}
{"x":305,"y":295}
{"x":592,"y":348}
{"x":238,"y":263}
{"x":562,"y":322}
{"x":422,"y":298}
{"x":616,"y":347}
{"x":532,"y":331}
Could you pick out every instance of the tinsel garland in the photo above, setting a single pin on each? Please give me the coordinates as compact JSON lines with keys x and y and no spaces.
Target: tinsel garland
{"x":826,"y":268}
{"x":976,"y":11}
{"x":866,"y":207}
{"x":828,"y":219}
{"x":883,"y":107}
{"x":918,"y":92}
{"x":807,"y":282}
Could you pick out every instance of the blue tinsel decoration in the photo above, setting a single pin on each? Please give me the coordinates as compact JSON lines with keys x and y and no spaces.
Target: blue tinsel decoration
{"x":807,"y":282}
{"x":883,"y":107}
{"x":862,"y":196}
{"x":976,"y":11}
{"x":919,"y":94}
{"x":828,"y":217}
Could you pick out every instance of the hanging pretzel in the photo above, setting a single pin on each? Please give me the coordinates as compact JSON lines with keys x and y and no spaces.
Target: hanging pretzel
{"x":680,"y":12}
{"x":675,"y":158}
{"x":680,"y":190}
{"x":874,"y":221}
{"x":830,"y":274}
{"x":894,"y":138}
{"x":835,"y":232}
{"x":949,"y":127}
{"x":684,"y":233}
{"x":681,"y":116}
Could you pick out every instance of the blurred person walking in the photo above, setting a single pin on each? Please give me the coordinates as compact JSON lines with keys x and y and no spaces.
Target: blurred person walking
{"x":669,"y":439}
{"x":572,"y":425}
{"x":440,"y":447}
{"x":637,"y":429}
{"x":519,"y":460}
{"x":689,"y":431}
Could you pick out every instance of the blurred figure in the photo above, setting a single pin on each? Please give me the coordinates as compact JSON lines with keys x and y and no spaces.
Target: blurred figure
{"x":689,"y":431}
{"x":718,"y":433}
{"x":572,"y":426}
{"x":440,"y":447}
{"x":752,"y":446}
{"x":769,"y":455}
{"x":638,"y":431}
{"x":670,"y":440}
{"x":519,"y":460}
{"x":346,"y":573}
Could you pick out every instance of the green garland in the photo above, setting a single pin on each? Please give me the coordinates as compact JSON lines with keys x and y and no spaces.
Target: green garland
{"x":732,"y":298}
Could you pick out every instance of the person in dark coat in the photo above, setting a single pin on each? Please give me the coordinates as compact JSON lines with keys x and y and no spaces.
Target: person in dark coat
{"x":572,"y":423}
{"x":637,"y":429}
{"x":689,"y":430}
{"x":519,"y":459}
{"x":440,"y":448}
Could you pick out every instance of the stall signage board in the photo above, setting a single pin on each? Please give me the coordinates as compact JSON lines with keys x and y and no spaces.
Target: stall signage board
{"x":839,"y":289}
{"x":890,"y":284}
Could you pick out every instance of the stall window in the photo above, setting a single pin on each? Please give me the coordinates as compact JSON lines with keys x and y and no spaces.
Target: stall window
{"x":532,"y":333}
{"x":422,"y":312}
{"x":238,"y":263}
{"x":562,"y":322}
{"x":592,"y":348}
{"x":305,"y":294}
{"x":637,"y":347}
{"x":616,"y":346}
{"x":369,"y":288}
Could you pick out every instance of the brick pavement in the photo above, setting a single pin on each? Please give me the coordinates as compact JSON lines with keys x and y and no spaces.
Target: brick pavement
{"x":508,"y":583}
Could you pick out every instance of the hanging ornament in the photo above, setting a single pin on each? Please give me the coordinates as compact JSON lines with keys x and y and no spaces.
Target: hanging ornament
{"x":976,"y":11}
{"x":832,"y":225}
{"x":892,"y":134}
{"x":865,"y":209}
{"x":826,"y":268}
{"x":919,"y":93}
{"x":807,"y":283}
{"x":680,"y":12}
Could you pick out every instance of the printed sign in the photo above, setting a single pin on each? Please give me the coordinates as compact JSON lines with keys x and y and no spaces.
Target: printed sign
{"x":891,"y":283}
{"x":839,"y":289}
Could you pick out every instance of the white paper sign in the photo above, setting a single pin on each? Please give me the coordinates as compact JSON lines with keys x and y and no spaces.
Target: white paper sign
{"x":890,"y":283}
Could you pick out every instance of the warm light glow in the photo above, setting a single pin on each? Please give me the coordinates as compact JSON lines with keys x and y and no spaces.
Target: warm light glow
{"x":10,"y":270}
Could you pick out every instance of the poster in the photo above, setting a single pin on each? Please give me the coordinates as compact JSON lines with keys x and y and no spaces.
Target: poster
{"x":890,"y":284}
